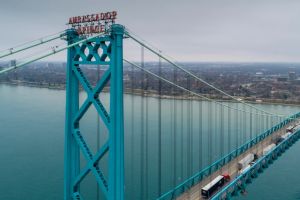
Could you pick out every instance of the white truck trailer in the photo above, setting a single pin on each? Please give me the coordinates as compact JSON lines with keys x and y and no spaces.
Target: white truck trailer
{"x":269,"y":148}
{"x":245,"y":161}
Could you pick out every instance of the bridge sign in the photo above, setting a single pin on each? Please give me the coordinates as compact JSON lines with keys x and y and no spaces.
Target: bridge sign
{"x":93,"y":23}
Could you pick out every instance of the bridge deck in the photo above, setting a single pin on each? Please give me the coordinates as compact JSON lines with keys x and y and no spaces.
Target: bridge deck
{"x":231,"y":168}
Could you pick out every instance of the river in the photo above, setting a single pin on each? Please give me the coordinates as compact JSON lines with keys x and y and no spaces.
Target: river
{"x":32,"y":145}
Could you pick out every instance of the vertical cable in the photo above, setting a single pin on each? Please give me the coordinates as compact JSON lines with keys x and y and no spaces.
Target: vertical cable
{"x":201,"y":133}
{"x":159,"y":126}
{"x":209,"y":132}
{"x":142,"y":126}
{"x":191,"y":131}
{"x":251,"y":125}
{"x":222,"y":130}
{"x":216,"y":127}
{"x":200,"y":158}
{"x":237,"y":126}
{"x":229,"y":132}
{"x":188,"y":131}
{"x":146,"y":136}
{"x":181,"y":137}
{"x":132,"y":132}
{"x":244,"y":125}
{"x":174,"y":128}
{"x":257,"y":128}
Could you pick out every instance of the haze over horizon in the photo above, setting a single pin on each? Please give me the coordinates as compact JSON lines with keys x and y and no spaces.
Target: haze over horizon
{"x":196,"y":31}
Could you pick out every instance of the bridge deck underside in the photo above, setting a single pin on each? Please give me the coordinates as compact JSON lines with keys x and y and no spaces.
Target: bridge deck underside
{"x":231,"y":168}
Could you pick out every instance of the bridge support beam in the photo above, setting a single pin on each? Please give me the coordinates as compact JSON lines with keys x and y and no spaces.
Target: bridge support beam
{"x":71,"y":159}
{"x":116,"y":159}
{"x":106,"y":50}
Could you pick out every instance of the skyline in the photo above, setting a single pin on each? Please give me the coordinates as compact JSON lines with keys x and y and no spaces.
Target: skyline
{"x":194,"y":31}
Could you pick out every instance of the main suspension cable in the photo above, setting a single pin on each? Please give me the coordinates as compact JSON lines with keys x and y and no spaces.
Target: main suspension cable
{"x":158,"y":53}
{"x":54,"y":50}
{"x":34,"y":43}
{"x":194,"y":93}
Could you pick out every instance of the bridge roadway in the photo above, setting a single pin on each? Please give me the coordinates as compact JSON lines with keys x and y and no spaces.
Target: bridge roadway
{"x":231,"y":168}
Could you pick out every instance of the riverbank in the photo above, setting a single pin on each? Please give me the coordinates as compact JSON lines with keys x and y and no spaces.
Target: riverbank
{"x":154,"y":94}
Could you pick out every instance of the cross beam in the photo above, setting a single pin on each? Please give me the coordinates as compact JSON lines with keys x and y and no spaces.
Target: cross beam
{"x":105,"y":50}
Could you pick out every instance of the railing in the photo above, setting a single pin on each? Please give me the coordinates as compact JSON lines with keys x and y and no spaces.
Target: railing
{"x":199,"y":176}
{"x":239,"y":182}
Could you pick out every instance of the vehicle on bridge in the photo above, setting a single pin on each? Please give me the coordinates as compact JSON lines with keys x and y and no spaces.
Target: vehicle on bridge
{"x":296,"y":128}
{"x":214,"y":185}
{"x":290,"y":128}
{"x":269,"y":148}
{"x":246,"y":161}
{"x":245,"y":169}
{"x":285,"y":136}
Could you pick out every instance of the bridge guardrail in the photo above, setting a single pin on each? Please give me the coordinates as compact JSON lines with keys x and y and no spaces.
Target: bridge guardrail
{"x":199,"y":176}
{"x":239,"y":182}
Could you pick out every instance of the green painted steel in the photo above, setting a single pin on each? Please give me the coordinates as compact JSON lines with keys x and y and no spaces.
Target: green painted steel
{"x":196,"y":178}
{"x":52,"y":52}
{"x":111,"y":55}
{"x":240,"y":182}
{"x":41,"y":41}
{"x":72,"y":99}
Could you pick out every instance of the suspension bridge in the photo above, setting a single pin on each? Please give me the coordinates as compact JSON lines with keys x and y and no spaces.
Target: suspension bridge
{"x":195,"y":140}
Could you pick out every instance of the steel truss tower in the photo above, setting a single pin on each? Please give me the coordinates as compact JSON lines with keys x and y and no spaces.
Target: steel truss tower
{"x":105,"y":50}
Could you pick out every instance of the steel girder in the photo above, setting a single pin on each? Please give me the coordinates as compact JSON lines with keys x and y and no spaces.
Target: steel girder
{"x":105,"y":50}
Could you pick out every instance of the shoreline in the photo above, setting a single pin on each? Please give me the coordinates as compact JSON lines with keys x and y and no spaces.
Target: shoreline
{"x":153,"y":94}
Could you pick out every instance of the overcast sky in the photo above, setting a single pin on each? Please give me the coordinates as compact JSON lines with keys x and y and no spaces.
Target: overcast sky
{"x":188,"y":30}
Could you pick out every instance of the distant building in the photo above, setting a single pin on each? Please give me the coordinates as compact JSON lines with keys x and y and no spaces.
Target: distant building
{"x":292,"y":76}
{"x":282,"y":79}
{"x":49,"y":65}
{"x":297,"y":81}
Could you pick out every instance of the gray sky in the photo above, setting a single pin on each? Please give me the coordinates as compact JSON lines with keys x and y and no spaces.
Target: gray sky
{"x":191,"y":30}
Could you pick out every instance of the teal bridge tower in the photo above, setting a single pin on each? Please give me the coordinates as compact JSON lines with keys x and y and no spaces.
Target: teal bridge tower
{"x":111,"y":48}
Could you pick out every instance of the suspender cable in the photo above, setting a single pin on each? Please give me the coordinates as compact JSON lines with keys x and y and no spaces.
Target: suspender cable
{"x":251,"y":124}
{"x":236,"y":119}
{"x":146,"y":135}
{"x":182,"y":136}
{"x":222,"y":131}
{"x":31,"y":44}
{"x":189,"y":132}
{"x":200,"y":128}
{"x":132,"y":132}
{"x":174,"y":128}
{"x":201,"y":133}
{"x":229,"y":132}
{"x":257,"y":129}
{"x":244,"y":126}
{"x":186,"y":90}
{"x":216,"y":116}
{"x":142,"y":178}
{"x":240,"y":131}
{"x":191,"y":74}
{"x":172,"y":135}
{"x":210,"y":143}
{"x":159,"y":127}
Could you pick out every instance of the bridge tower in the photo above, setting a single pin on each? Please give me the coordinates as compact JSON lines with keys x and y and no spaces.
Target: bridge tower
{"x":105,"y":50}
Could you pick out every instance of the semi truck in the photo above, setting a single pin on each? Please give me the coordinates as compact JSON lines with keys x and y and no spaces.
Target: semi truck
{"x":269,"y":148}
{"x":246,"y":161}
